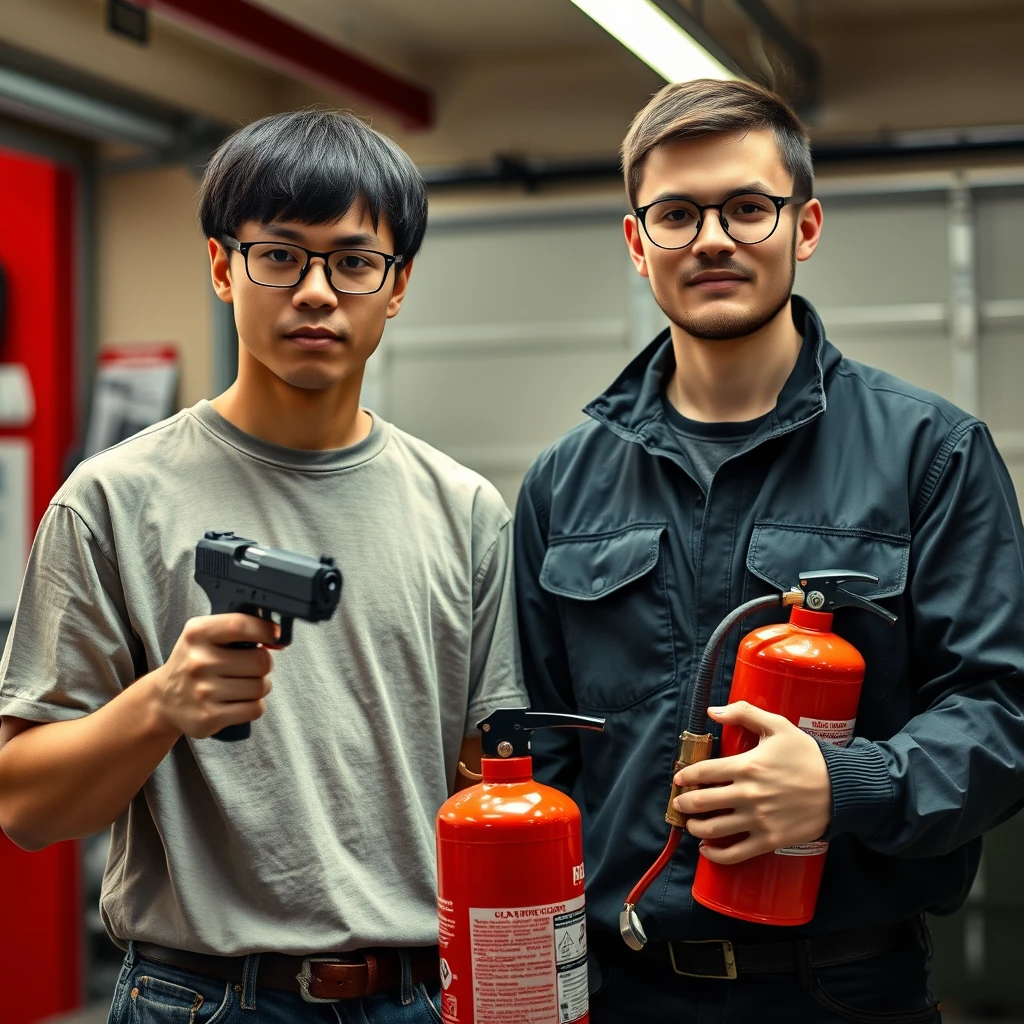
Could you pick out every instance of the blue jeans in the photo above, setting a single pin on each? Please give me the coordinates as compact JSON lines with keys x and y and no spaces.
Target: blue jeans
{"x":893,"y":989}
{"x":149,"y":992}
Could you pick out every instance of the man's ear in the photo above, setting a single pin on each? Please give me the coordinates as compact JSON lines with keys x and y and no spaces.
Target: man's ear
{"x":220,"y":269}
{"x":635,"y":244}
{"x":398,"y":292}
{"x":808,"y":229}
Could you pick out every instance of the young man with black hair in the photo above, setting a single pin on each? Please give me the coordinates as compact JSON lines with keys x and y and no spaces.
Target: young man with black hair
{"x":738,"y":450}
{"x":246,"y":879}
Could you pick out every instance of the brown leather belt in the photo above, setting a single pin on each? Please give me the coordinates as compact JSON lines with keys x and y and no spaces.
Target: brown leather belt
{"x":327,"y":976}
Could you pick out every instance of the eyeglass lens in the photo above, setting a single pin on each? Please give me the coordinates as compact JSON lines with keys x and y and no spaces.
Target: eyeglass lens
{"x":674,"y":223}
{"x":355,"y":271}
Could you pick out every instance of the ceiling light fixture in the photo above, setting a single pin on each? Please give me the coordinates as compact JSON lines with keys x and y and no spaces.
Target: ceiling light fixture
{"x":641,"y":26}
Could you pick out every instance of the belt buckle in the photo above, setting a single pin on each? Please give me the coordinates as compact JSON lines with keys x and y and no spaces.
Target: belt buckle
{"x":728,"y":958}
{"x":305,"y":976}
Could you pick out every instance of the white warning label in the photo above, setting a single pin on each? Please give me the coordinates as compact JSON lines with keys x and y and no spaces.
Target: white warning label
{"x":839,"y":732}
{"x":571,"y":963}
{"x":829,"y":730}
{"x":529,"y":963}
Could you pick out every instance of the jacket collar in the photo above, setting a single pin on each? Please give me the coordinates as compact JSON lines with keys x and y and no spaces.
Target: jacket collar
{"x":632,"y":406}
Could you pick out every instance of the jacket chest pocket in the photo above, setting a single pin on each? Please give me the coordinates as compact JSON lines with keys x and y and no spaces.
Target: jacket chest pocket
{"x":779,"y":552}
{"x":616,"y":615}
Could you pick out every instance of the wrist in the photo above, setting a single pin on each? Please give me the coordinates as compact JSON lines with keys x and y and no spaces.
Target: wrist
{"x":154,"y":722}
{"x":861,"y":788}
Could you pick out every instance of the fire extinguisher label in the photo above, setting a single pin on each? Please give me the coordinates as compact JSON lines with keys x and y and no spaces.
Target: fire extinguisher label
{"x":838,"y":731}
{"x":529,"y":963}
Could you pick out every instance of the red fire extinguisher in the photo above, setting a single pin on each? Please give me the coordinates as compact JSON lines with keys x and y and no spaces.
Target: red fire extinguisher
{"x":512,"y":921}
{"x":806,"y":673}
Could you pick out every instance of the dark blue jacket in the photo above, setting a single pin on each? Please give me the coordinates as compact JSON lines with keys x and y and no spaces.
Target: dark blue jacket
{"x":625,"y":567}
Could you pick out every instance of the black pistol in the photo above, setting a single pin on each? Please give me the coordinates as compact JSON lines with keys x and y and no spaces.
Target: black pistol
{"x":240,"y":576}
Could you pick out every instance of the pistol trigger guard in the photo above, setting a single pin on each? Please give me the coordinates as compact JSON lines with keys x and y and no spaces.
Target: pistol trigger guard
{"x":286,"y":631}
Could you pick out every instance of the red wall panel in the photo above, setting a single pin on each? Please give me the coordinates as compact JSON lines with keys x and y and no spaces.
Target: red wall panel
{"x":40,"y":906}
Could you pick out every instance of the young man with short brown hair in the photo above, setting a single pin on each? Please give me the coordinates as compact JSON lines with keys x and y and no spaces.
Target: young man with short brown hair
{"x":738,"y":450}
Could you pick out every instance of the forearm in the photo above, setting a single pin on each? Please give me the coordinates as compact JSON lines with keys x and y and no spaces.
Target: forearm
{"x":952,"y":773}
{"x":64,"y":780}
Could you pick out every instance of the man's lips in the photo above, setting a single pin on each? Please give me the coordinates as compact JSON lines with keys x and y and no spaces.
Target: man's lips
{"x":312,"y":337}
{"x":716,"y":280}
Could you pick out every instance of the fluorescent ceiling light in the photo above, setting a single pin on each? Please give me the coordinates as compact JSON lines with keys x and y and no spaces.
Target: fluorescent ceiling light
{"x":655,"y":38}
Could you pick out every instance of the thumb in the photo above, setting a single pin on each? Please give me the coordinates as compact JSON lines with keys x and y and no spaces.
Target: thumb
{"x":746,"y":716}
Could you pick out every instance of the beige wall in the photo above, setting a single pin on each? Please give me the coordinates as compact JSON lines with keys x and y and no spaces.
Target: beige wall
{"x":153,"y":272}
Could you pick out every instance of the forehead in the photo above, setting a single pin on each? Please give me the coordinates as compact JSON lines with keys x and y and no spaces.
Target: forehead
{"x":354,"y":227}
{"x":711,"y":166}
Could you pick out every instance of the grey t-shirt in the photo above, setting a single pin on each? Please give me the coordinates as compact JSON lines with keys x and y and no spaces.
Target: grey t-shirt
{"x":317,"y":833}
{"x":709,"y":444}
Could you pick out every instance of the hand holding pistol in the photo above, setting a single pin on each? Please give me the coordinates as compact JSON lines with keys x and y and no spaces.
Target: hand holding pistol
{"x":271,"y":584}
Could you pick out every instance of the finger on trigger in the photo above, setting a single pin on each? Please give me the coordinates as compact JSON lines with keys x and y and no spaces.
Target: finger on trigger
{"x":254,"y":629}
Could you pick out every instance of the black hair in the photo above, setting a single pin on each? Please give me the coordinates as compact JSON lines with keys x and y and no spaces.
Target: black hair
{"x":311,"y":166}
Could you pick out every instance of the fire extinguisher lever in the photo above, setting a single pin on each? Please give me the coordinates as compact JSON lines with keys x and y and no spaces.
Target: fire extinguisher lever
{"x":823,"y":592}
{"x":505,"y":732}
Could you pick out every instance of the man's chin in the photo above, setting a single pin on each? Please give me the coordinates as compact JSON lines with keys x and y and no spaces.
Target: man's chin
{"x":722,"y":319}
{"x":312,"y":379}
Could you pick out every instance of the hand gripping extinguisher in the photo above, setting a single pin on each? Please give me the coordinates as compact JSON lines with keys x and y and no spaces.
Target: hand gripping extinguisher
{"x":798,"y":669}
{"x":512,"y":925}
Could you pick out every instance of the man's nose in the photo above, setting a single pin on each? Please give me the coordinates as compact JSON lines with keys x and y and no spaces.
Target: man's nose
{"x":712,"y":239}
{"x":315,"y":289}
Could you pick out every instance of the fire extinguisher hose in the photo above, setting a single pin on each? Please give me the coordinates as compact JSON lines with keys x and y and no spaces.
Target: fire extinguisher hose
{"x":696,"y":746}
{"x":701,"y":697}
{"x":674,"y":836}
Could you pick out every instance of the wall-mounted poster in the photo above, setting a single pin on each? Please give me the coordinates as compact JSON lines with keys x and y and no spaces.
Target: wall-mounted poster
{"x":135,"y":388}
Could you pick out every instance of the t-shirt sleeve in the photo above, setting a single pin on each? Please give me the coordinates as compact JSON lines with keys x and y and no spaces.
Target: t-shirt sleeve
{"x":496,"y":675}
{"x":71,"y":647}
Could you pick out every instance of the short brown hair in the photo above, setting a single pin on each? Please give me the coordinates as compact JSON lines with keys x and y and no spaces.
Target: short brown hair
{"x":687,"y":110}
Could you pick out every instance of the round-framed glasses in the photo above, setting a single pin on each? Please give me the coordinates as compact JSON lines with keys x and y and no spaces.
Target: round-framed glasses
{"x":749,"y":218}
{"x":284,"y":265}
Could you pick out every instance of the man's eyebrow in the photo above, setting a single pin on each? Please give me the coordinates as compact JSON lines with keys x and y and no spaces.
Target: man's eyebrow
{"x":750,"y":186}
{"x":341,"y":241}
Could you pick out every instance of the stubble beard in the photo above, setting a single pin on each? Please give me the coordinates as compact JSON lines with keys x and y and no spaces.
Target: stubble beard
{"x":723,"y":324}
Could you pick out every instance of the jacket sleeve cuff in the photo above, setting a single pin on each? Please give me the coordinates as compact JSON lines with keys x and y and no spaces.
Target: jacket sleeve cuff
{"x":861,"y":789}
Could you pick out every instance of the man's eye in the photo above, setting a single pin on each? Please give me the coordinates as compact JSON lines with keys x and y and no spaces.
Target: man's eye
{"x":279,"y":256}
{"x":353,"y":262}
{"x":677,"y":216}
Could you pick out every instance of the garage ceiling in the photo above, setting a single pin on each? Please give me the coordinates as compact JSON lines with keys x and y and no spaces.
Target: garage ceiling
{"x":437,"y":29}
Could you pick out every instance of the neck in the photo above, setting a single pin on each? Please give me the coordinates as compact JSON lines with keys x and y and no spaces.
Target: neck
{"x":263,"y":405}
{"x":734,"y":379}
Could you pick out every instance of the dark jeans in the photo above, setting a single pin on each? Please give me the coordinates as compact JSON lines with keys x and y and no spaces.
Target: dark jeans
{"x":152,"y":993}
{"x":893,"y":989}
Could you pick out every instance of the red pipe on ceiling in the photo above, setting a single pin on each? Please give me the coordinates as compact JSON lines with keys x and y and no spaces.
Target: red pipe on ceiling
{"x":272,"y":40}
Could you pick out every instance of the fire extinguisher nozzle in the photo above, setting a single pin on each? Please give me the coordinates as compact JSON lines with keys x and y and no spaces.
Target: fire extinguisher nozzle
{"x":630,"y":928}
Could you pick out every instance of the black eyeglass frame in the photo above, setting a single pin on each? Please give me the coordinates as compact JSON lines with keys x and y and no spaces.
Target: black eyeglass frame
{"x":244,"y":247}
{"x":779,"y":201}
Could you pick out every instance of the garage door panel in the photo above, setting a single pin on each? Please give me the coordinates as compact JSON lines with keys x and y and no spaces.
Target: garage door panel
{"x":519,"y":273}
{"x":1002,"y":378}
{"x":879,"y":252}
{"x":1000,"y":226}
{"x":505,"y":399}
{"x":920,"y":360}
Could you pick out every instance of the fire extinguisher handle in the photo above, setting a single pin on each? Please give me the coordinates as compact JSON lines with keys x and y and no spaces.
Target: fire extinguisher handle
{"x":823,"y":592}
{"x":505,"y":732}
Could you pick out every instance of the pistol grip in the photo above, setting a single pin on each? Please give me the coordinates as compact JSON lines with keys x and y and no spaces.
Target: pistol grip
{"x":231,"y":733}
{"x":242,"y":731}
